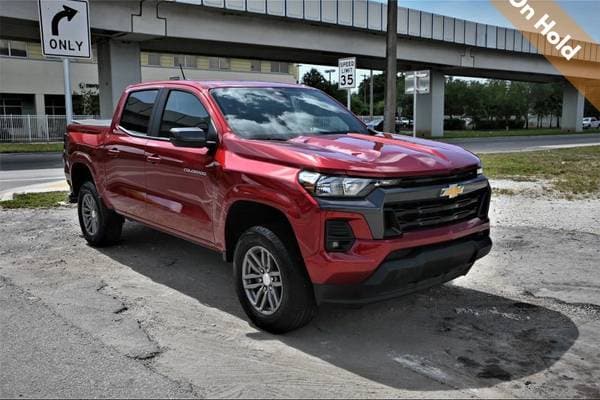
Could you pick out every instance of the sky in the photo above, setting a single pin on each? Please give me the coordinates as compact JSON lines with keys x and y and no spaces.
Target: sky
{"x":585,"y":12}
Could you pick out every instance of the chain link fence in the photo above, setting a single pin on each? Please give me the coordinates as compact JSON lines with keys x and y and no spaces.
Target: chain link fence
{"x":34,"y":128}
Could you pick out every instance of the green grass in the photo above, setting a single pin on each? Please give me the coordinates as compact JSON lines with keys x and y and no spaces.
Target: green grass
{"x":35,"y":200}
{"x":30,"y":147}
{"x":518,"y":132}
{"x":573,"y":172}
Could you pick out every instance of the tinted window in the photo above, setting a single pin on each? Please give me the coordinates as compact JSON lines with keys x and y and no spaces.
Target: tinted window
{"x":183,"y":110}
{"x":137,"y":111}
{"x":284,"y":113}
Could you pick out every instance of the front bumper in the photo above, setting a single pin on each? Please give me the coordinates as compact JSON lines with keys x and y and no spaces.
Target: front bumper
{"x":408,"y":270}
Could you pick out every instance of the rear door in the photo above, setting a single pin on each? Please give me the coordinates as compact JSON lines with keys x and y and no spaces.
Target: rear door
{"x":180,"y":181}
{"x":125,"y":155}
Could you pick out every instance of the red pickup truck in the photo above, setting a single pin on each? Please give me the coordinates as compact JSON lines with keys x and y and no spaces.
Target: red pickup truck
{"x":308,"y":203}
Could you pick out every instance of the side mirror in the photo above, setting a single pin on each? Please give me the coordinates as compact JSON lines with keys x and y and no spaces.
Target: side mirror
{"x":191,"y":137}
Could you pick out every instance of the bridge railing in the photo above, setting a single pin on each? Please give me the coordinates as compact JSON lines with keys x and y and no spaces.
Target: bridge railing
{"x":372,"y":15}
{"x":34,"y":128}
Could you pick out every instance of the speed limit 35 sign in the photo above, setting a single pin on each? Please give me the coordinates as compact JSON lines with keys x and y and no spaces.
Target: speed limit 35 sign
{"x":347,"y":73}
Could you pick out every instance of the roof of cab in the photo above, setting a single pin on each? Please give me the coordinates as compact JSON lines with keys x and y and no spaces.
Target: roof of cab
{"x":217,"y":84}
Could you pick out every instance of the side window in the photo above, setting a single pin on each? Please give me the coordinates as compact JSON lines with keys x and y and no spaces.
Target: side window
{"x":183,"y":110}
{"x":137,"y":111}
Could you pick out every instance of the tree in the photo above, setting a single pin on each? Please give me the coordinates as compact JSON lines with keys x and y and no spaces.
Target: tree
{"x":86,"y":101}
{"x":315,"y":79}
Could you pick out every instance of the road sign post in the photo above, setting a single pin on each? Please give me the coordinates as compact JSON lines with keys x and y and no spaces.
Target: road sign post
{"x":415,"y":83}
{"x":347,"y":76}
{"x":68,"y":100}
{"x":65,"y":33}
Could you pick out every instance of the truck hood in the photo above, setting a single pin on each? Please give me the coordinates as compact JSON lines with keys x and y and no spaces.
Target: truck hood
{"x":384,"y":155}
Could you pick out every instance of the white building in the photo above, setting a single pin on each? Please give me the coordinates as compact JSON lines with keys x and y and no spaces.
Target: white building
{"x":31,"y":84}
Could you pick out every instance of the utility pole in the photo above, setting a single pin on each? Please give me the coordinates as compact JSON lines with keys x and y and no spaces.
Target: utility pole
{"x":329,"y":72}
{"x":389,"y":115}
{"x":364,"y":76}
{"x":371,"y":96}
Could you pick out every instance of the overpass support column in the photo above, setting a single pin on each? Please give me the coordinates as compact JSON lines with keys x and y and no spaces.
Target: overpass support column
{"x":118,"y":66}
{"x":572,"y":109}
{"x":430,"y":107}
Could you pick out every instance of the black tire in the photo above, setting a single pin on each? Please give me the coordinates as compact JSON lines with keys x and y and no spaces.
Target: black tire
{"x":109,"y":224}
{"x":297,"y":305}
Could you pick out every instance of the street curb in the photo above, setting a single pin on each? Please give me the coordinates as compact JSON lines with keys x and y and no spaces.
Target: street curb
{"x":55,"y":186}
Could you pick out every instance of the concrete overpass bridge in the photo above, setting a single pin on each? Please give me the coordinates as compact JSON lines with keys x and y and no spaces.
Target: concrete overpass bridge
{"x":315,"y":32}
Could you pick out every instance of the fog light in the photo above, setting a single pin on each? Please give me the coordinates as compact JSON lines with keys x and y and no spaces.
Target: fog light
{"x":338,"y":235}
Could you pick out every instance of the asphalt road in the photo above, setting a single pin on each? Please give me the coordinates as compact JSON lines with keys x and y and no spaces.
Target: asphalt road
{"x":157,"y":316}
{"x":24,"y":161}
{"x":20,"y":170}
{"x":526,"y":143}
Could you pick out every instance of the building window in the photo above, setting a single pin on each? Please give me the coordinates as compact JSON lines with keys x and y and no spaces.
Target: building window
{"x":13,"y":48}
{"x":191,"y":62}
{"x":185,"y":61}
{"x":255,"y":65}
{"x":224,"y":63}
{"x":153,"y":59}
{"x":280,"y":67}
{"x":179,"y":60}
{"x":11,"y":106}
{"x":219,"y":63}
{"x":55,"y":104}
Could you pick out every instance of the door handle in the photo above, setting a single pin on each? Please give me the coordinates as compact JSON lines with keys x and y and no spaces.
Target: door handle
{"x":154,"y":159}
{"x":113,"y":152}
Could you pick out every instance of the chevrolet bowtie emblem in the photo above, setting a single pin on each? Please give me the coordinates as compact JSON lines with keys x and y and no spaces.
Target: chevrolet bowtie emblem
{"x":452,"y":191}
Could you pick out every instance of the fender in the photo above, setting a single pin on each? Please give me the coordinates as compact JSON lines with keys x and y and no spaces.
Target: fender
{"x":79,"y":157}
{"x":295,"y":205}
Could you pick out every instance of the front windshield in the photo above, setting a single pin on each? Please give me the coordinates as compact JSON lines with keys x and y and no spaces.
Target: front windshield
{"x":283,"y":113}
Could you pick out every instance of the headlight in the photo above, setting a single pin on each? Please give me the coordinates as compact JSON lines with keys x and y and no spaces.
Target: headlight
{"x":480,"y":170}
{"x":335,"y":186}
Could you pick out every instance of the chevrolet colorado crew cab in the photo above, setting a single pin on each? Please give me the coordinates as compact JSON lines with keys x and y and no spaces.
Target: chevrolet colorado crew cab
{"x":308,"y":203}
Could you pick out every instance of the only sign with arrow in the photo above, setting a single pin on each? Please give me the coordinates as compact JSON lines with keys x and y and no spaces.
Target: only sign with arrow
{"x":65,"y":28}
{"x":67,"y":13}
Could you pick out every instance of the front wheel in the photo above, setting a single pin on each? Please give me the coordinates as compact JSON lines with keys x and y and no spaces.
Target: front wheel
{"x":271,"y":282}
{"x":100,"y":226}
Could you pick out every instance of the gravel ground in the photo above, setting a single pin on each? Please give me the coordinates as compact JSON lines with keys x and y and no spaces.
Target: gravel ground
{"x":157,"y":317}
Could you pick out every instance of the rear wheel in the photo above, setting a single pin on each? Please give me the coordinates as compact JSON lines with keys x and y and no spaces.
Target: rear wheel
{"x":100,"y":226}
{"x":271,"y":282}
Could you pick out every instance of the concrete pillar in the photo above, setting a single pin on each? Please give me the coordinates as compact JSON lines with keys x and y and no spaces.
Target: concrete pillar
{"x":430,"y":107}
{"x":572,"y":109}
{"x":118,"y":66}
{"x":40,"y":104}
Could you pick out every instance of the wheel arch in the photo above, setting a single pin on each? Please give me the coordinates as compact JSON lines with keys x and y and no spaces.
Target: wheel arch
{"x":244,"y":214}
{"x":80,"y":173}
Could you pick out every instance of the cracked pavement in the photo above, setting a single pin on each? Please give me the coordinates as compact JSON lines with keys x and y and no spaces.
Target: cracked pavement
{"x":156,"y":316}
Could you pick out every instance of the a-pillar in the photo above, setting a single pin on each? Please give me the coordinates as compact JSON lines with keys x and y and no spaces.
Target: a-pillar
{"x":572,"y":109}
{"x":430,"y":107}
{"x":118,"y":66}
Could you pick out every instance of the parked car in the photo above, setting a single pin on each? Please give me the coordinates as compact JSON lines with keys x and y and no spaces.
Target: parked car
{"x":591,"y":123}
{"x":405,"y":122}
{"x":308,"y":204}
{"x":376,"y":123}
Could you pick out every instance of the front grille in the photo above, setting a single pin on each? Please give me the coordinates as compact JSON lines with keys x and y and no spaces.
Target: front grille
{"x":437,"y":180}
{"x":426,"y":214}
